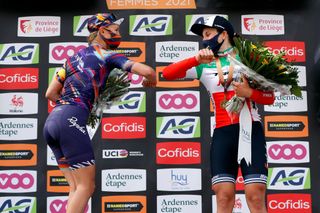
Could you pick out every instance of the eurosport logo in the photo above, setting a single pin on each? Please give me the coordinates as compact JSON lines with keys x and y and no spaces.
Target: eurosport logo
{"x":289,"y":203}
{"x":19,"y":78}
{"x":176,"y":179}
{"x":80,"y":25}
{"x":172,"y":51}
{"x":124,"y":203}
{"x":179,"y":203}
{"x":18,"y":154}
{"x":240,"y":204}
{"x":150,"y":25}
{"x":178,"y":101}
{"x":13,"y":129}
{"x":135,"y":51}
{"x":19,"y":53}
{"x":198,"y":19}
{"x":180,"y":83}
{"x":132,"y":102}
{"x":59,"y":52}
{"x":288,"y":152}
{"x":19,"y":103}
{"x":123,"y":180}
{"x":135,"y":80}
{"x":294,"y":50}
{"x":150,"y":5}
{"x":58,"y":204}
{"x":262,"y":24}
{"x":289,"y":178}
{"x":123,"y":127}
{"x":18,"y":181}
{"x":39,"y":26}
{"x":18,"y":204}
{"x":178,"y":153}
{"x":178,"y":127}
{"x":302,"y":76}
{"x":288,"y":103}
{"x":56,"y":182}
{"x":286,"y":126}
{"x":120,"y":153}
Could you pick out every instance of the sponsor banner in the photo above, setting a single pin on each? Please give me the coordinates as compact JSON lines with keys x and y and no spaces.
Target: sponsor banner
{"x":178,"y":179}
{"x":124,"y":204}
{"x":294,"y":50}
{"x":126,"y":153}
{"x":288,"y":103}
{"x":13,"y":129}
{"x":18,"y":181}
{"x":51,"y":159}
{"x":123,"y":180}
{"x":302,"y":76}
{"x":80,"y":25}
{"x":56,"y":182}
{"x":288,"y":178}
{"x":135,"y":51}
{"x":289,"y":203}
{"x":19,"y":103}
{"x":262,"y":24}
{"x":51,"y":105}
{"x":288,"y":152}
{"x":178,"y":101}
{"x":39,"y":26}
{"x":181,"y":83}
{"x":179,"y":203}
{"x":59,"y":52}
{"x":286,"y":126}
{"x":178,"y":153}
{"x":135,"y":80}
{"x":123,"y":127}
{"x":172,"y":51}
{"x":150,"y":5}
{"x":58,"y":204}
{"x":18,"y":154}
{"x":198,"y":19}
{"x":132,"y":102}
{"x":240,"y":204}
{"x":19,"y":78}
{"x":212,"y":124}
{"x":17,"y":204}
{"x":239,"y":181}
{"x":150,"y":25}
{"x":178,"y":127}
{"x":19,"y":53}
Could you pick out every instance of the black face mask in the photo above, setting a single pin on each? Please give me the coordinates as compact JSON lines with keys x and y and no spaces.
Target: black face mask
{"x":213,"y":44}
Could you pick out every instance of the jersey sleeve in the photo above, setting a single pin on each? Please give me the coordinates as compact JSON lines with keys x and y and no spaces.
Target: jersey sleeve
{"x":181,"y":69}
{"x":60,"y":75}
{"x":120,"y":61}
{"x":262,"y":97}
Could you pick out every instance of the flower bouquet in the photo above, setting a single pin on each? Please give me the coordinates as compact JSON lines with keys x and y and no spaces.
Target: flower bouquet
{"x":264,"y":70}
{"x":117,"y":85}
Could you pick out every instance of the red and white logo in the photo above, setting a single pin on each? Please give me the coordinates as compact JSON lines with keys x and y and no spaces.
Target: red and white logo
{"x":124,"y":127}
{"x":39,"y":26}
{"x":289,"y":203}
{"x":178,"y":153}
{"x":262,"y":24}
{"x":239,"y":181}
{"x":25,"y":25}
{"x":19,"y":78}
{"x":294,"y":50}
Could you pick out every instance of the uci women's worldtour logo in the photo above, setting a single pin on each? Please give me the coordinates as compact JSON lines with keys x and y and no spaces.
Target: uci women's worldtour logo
{"x":19,"y":53}
{"x":288,"y":152}
{"x":18,"y":181}
{"x":132,"y":102}
{"x":80,"y":25}
{"x":39,"y":26}
{"x":19,"y":103}
{"x":179,"y":203}
{"x":123,"y":127}
{"x":150,"y":25}
{"x":262,"y":24}
{"x":18,"y":154}
{"x":294,"y":50}
{"x":178,"y":127}
{"x":289,"y":178}
{"x":198,"y":19}
{"x":58,"y":204}
{"x":124,"y":203}
{"x":19,"y":78}
{"x":59,"y":52}
{"x":288,"y":103}
{"x":150,"y":4}
{"x":13,"y":129}
{"x":289,"y":203}
{"x":18,"y":204}
{"x":178,"y":101}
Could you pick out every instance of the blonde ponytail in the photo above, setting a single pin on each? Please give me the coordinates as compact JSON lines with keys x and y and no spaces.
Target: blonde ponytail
{"x":92,"y":36}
